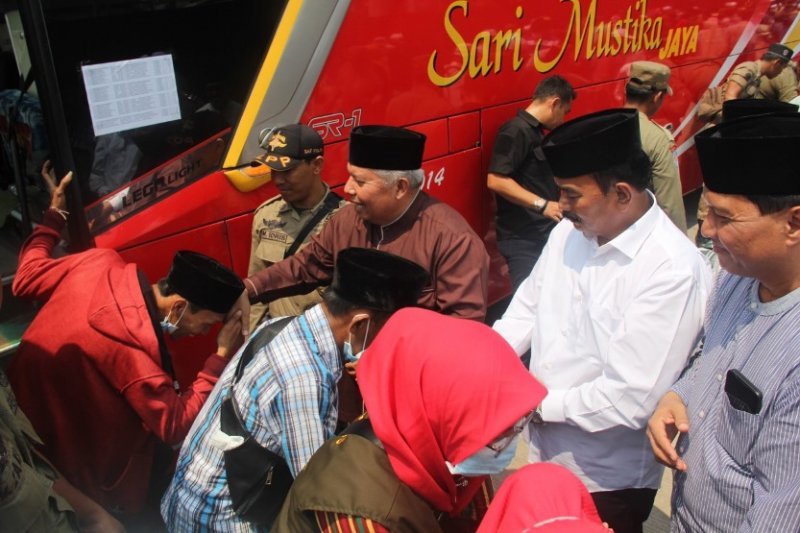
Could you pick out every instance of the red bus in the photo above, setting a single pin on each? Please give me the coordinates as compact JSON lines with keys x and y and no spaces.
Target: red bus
{"x":152,"y":180}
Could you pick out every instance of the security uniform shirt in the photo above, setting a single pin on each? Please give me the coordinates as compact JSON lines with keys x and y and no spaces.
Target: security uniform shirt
{"x":275,"y":225}
{"x":517,"y":153}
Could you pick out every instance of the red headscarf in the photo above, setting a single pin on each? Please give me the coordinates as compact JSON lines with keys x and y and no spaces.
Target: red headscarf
{"x":438,"y":389}
{"x":542,"y":497}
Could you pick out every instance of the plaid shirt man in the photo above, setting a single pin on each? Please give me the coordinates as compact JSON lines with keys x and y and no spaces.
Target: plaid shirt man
{"x":287,"y":397}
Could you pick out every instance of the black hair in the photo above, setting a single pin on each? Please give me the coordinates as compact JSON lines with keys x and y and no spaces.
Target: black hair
{"x":339,"y":306}
{"x":167,"y":290}
{"x":768,"y":204}
{"x":555,"y":86}
{"x":634,"y":171}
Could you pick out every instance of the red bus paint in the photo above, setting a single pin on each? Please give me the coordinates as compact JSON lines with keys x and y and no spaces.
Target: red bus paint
{"x":455,"y":70}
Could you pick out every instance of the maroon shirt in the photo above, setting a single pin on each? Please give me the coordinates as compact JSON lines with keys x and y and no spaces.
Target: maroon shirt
{"x":430,"y":233}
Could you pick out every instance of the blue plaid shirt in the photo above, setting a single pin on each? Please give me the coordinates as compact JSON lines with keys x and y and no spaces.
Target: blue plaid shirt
{"x":287,"y":397}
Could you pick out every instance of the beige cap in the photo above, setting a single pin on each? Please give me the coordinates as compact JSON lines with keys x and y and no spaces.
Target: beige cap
{"x":650,"y":76}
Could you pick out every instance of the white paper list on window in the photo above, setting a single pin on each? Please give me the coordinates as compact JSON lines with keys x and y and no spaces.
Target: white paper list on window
{"x":130,"y":94}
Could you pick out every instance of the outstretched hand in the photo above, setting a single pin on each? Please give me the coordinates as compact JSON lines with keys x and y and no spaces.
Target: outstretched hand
{"x":58,"y":198}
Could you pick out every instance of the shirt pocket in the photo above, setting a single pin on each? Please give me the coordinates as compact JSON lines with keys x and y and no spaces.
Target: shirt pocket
{"x":270,"y":251}
{"x":737,"y":432}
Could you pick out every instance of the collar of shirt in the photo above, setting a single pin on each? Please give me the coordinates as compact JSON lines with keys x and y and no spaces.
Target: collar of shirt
{"x":630,"y":241}
{"x":530,"y":119}
{"x":286,"y":207}
{"x":323,"y":335}
{"x":403,"y":223}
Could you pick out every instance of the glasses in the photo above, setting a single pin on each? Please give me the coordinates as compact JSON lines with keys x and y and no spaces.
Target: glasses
{"x":507,"y":437}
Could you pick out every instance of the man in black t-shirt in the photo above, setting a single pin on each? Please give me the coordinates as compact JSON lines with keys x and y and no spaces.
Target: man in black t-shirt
{"x":527,"y":196}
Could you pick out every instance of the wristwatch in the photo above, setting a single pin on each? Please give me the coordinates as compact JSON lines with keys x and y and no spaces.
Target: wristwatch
{"x":539,"y":205}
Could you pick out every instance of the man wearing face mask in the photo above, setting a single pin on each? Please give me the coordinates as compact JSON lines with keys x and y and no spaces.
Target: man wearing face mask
{"x":92,"y":371}
{"x":286,"y":393}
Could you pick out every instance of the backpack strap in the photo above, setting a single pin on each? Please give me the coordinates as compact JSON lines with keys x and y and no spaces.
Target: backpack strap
{"x":330,"y":203}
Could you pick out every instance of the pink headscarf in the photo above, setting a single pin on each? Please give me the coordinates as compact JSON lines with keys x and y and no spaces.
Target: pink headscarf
{"x":542,"y":498}
{"x":438,"y":389}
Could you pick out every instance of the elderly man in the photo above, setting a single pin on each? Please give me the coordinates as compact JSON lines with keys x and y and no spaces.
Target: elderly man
{"x":738,"y":408}
{"x":527,"y":196}
{"x":284,"y":224}
{"x":610,"y":313}
{"x":388,"y":211}
{"x":645,"y":91}
{"x":93,"y":373}
{"x":287,"y":394}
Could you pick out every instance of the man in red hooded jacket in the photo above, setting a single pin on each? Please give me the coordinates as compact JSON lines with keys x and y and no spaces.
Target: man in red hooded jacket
{"x":92,"y":371}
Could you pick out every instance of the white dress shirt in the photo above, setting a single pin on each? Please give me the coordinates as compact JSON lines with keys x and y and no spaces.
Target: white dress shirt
{"x":610,"y":328}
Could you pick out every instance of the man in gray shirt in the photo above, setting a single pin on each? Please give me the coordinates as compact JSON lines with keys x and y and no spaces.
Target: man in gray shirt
{"x":737,"y":409}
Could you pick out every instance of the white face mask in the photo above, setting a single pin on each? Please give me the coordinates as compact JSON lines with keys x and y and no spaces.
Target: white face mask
{"x":347,"y":347}
{"x":486,"y":461}
{"x":169,"y":327}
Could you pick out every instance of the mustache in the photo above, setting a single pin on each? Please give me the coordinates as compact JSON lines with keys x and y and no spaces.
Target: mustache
{"x":571,"y":216}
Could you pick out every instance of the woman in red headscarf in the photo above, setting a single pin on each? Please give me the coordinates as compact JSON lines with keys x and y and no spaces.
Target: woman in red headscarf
{"x":444,"y":397}
{"x":541,"y":498}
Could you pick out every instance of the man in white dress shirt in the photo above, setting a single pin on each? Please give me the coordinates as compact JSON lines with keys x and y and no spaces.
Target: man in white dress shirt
{"x":611,"y":313}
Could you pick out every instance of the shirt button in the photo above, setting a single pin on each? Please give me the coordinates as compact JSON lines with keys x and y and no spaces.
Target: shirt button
{"x":701,"y":414}
{"x":547,"y":366}
{"x":753,"y":305}
{"x":719,"y":377}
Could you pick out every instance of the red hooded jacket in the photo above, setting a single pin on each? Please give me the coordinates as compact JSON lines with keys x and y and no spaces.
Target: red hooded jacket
{"x":88,"y":373}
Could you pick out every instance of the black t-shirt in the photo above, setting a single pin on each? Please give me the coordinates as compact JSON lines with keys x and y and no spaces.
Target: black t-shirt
{"x":517,"y":153}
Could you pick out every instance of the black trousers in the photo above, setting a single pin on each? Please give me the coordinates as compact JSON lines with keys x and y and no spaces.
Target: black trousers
{"x":521,"y":256}
{"x":625,"y":510}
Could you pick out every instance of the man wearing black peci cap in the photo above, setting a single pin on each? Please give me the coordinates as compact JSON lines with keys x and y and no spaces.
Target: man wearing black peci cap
{"x":93,"y":373}
{"x":738,"y":407}
{"x":294,"y":159}
{"x":288,"y":389}
{"x":732,"y":110}
{"x":611,"y":313}
{"x":388,"y":210}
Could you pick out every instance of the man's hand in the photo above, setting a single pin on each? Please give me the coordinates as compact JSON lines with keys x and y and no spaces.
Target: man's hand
{"x":58,"y":199}
{"x":350,"y":368}
{"x":669,"y":418}
{"x":243,"y":305}
{"x":230,"y":338}
{"x":553,"y":211}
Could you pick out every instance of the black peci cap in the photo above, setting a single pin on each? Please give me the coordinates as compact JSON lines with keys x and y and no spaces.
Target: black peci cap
{"x":204,"y":281}
{"x":753,"y":155}
{"x":747,"y":107}
{"x":377,"y":280}
{"x":386,"y":148}
{"x":593,"y":142}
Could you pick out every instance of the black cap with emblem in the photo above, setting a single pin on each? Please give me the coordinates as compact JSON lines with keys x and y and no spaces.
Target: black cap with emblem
{"x":288,"y":145}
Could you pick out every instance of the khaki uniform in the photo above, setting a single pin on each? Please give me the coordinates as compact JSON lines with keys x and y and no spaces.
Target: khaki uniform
{"x":659,"y":145}
{"x":275,"y":225}
{"x":748,"y":76}
{"x":782,"y":87}
{"x":27,"y":499}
